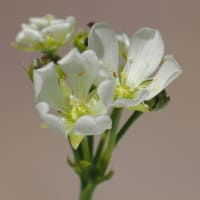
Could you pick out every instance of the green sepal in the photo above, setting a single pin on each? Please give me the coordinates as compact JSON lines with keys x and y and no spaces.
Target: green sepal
{"x":80,"y":166}
{"x":105,"y":177}
{"x":74,"y":165}
{"x":141,"y":107}
{"x":75,"y":140}
{"x":85,"y":163}
{"x":159,"y":101}
{"x":30,"y":71}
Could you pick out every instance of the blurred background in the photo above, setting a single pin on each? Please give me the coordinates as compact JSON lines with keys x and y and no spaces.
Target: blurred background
{"x":159,"y":157}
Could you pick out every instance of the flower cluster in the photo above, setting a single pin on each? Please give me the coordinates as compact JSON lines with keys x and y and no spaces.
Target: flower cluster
{"x":111,"y":71}
{"x":45,"y":34}
{"x":102,"y":72}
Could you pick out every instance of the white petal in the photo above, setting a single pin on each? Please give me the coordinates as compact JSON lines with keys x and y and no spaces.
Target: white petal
{"x":59,"y":32}
{"x":102,"y":40}
{"x":168,"y":71}
{"x":28,"y":37}
{"x":88,"y":125}
{"x":106,"y":92}
{"x":72,"y":21}
{"x":81,"y":71}
{"x":121,"y":102}
{"x":39,"y":22}
{"x":97,"y":108}
{"x":144,"y":55}
{"x":141,"y":96}
{"x":52,"y":121}
{"x":46,"y":86}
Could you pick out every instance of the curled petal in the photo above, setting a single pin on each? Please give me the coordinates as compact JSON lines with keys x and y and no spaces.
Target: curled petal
{"x":46,"y":86}
{"x":88,"y":125}
{"x":106,"y":92}
{"x":52,"y":121}
{"x":102,"y":40}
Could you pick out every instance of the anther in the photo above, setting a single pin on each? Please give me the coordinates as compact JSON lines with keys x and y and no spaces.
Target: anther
{"x":90,"y":24}
{"x":115,"y":74}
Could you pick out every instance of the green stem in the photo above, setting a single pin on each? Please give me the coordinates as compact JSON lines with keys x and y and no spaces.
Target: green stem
{"x":87,"y":191}
{"x":75,"y":153}
{"x":85,"y":149}
{"x":115,"y":116}
{"x":91,"y":144}
{"x":127,"y":125}
{"x":100,"y":146}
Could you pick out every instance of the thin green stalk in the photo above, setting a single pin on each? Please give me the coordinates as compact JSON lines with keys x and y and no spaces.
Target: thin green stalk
{"x":76,"y":154}
{"x":127,"y":125}
{"x":115,"y":116}
{"x":87,"y":191}
{"x":77,"y":157}
{"x":85,"y":149}
{"x":91,"y":144}
{"x":100,"y":146}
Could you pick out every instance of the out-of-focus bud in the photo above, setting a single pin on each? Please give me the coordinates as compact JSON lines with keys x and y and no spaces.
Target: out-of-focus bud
{"x":81,"y":40}
{"x":46,"y":34}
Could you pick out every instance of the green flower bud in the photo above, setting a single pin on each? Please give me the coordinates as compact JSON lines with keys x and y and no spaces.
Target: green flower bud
{"x":159,"y":101}
{"x":81,"y":40}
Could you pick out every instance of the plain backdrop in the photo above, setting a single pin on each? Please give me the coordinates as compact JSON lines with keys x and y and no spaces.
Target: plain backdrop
{"x":157,"y":160}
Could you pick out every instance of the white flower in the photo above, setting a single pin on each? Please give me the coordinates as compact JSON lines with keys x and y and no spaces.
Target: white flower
{"x":45,"y":34}
{"x":147,"y":71}
{"x":67,"y":88}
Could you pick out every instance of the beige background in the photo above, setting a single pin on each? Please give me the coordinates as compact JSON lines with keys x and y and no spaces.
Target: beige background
{"x":159,"y":158}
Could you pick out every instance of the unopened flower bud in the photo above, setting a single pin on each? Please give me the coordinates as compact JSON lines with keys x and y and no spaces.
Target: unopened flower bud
{"x":81,"y":40}
{"x":159,"y":101}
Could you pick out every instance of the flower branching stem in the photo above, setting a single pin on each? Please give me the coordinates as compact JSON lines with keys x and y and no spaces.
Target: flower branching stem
{"x":106,"y":155}
{"x":127,"y":125}
{"x":92,"y":165}
{"x":86,"y":149}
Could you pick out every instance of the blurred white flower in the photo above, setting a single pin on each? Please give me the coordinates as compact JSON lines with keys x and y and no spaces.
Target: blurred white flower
{"x":46,"y":34}
{"x":147,"y":71}
{"x":68,"y":88}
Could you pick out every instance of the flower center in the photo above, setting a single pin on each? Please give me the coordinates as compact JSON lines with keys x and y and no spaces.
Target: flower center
{"x":76,"y":111}
{"x":122,"y":89}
